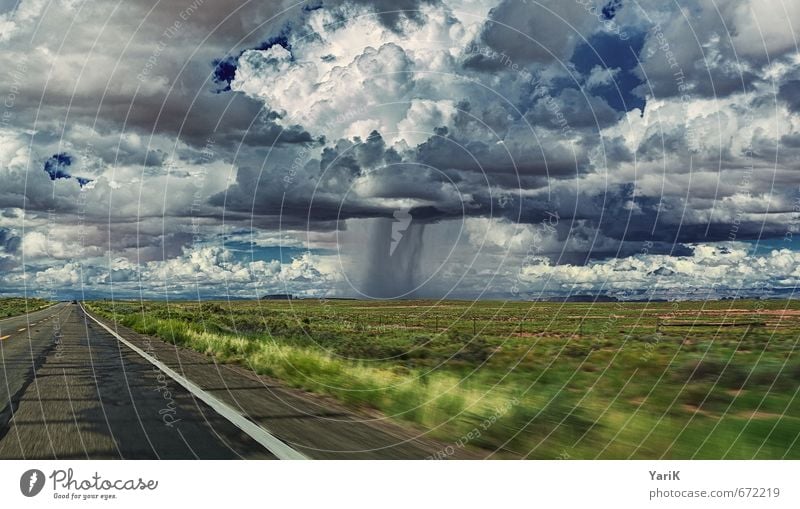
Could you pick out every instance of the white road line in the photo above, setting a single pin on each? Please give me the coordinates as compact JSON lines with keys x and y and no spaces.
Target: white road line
{"x":256,"y":432}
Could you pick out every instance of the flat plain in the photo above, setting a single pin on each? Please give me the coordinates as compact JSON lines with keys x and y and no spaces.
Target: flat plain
{"x":713,"y":379}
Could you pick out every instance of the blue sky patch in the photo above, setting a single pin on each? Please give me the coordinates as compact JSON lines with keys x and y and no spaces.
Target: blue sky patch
{"x":245,"y":251}
{"x":57,"y":166}
{"x":609,"y":51}
{"x":765,"y":246}
{"x":8,"y":6}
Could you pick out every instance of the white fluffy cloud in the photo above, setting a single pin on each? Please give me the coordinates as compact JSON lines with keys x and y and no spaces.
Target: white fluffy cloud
{"x":207,"y":270}
{"x":346,"y":79}
{"x":712,"y":271}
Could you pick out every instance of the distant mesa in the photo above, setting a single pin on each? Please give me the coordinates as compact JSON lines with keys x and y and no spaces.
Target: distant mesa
{"x":661,"y":271}
{"x":278,"y":296}
{"x":590,"y":298}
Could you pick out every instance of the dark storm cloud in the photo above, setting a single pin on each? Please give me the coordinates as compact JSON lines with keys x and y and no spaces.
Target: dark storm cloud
{"x":194,"y":116}
{"x":441,"y":170}
{"x":605,"y":211}
{"x":791,"y":140}
{"x":577,"y":108}
{"x":153,"y":83}
{"x":530,"y":32}
{"x":707,"y":50}
{"x":536,"y":121}
{"x":790,"y":93}
{"x":393,"y":12}
{"x":449,"y":152}
{"x":9,"y":241}
{"x":609,"y":51}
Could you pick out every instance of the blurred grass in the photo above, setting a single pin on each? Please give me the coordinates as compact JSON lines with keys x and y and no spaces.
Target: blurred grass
{"x":538,"y":380}
{"x":14,"y":306}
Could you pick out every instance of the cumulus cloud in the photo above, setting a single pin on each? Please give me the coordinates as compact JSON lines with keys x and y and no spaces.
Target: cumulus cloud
{"x":271,"y":124}
{"x":710,"y":272}
{"x":347,"y":79}
{"x":207,"y":271}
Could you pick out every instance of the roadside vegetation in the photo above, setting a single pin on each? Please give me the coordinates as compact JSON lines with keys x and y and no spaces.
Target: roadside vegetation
{"x":538,"y":380}
{"x":13,"y":306}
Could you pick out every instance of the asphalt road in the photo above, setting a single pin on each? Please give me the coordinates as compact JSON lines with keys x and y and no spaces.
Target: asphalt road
{"x":70,"y":389}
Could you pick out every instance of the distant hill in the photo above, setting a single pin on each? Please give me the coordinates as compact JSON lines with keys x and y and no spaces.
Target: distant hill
{"x":591,"y":298}
{"x":278,"y":296}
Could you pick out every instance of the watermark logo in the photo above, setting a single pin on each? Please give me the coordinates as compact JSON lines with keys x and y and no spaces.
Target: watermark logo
{"x":31,"y":482}
{"x":402,"y":219}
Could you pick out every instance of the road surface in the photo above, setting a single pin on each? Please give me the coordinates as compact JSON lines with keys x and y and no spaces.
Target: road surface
{"x":73,"y":388}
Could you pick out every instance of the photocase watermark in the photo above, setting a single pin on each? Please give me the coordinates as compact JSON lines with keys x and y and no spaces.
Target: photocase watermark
{"x":207,"y":154}
{"x":540,"y":88}
{"x":298,"y":163}
{"x":66,"y":485}
{"x":547,"y":226}
{"x":305,"y":153}
{"x":603,"y":16}
{"x":31,"y":482}
{"x":86,"y":154}
{"x":603,"y":11}
{"x":17,"y":76}
{"x":58,"y":338}
{"x":794,"y":223}
{"x":743,"y":187}
{"x":169,"y":411}
{"x":650,"y":346}
{"x":171,"y":32}
{"x":476,"y":432}
{"x":692,"y":136}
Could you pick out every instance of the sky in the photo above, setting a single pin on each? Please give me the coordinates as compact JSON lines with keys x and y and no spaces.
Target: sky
{"x":504,"y":149}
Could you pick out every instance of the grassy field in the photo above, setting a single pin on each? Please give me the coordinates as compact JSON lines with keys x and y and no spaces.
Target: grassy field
{"x":14,"y":306}
{"x":536,"y":380}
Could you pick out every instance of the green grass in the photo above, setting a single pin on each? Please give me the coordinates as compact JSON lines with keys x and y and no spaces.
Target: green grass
{"x":14,"y":306}
{"x":538,"y":380}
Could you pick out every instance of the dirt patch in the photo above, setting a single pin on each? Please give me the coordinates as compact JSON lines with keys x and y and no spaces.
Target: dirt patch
{"x":735,"y":312}
{"x":758,"y":416}
{"x":697,"y":410}
{"x":550,"y":335}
